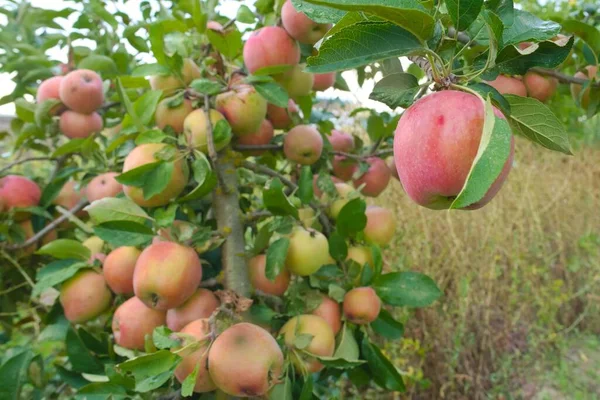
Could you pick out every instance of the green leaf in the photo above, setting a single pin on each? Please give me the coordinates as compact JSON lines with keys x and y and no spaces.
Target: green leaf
{"x":272,"y":92}
{"x":305,"y":185}
{"x":338,"y":248}
{"x":307,"y":389}
{"x":527,"y":27}
{"x":396,"y":90}
{"x":282,"y":391}
{"x":80,"y":357}
{"x":128,"y":106}
{"x":535,"y":121}
{"x":145,"y":106}
{"x":364,"y":43}
{"x":228,"y":43}
{"x":276,"y":201}
{"x":409,"y":14}
{"x":161,"y":337}
{"x":42,"y":111}
{"x":99,"y":63}
{"x":276,"y":254}
{"x":586,"y":32}
{"x":207,"y":86}
{"x":386,"y":326}
{"x":352,"y":218}
{"x":25,"y":110}
{"x":505,"y":9}
{"x":151,"y":136}
{"x":72,"y":146}
{"x":157,"y":43}
{"x":320,"y":14}
{"x":382,"y":370}
{"x":124,"y":233}
{"x":102,"y":391}
{"x":336,"y":292}
{"x":463,"y":12}
{"x":116,"y":209}
{"x":150,"y":69}
{"x":165,"y":216}
{"x":204,"y":176}
{"x":377,"y":260}
{"x":484,"y":90}
{"x":340,"y":363}
{"x":55,"y":273}
{"x":406,"y":289}
{"x":66,"y":248}
{"x":245,"y":15}
{"x":347,"y":347}
{"x":153,"y":177}
{"x":494,"y":150}
{"x":187,"y":387}
{"x":13,"y":374}
{"x":152,"y":370}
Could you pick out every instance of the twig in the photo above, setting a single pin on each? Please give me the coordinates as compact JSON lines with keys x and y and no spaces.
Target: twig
{"x":19,"y":268}
{"x":563,"y":78}
{"x":110,"y":105}
{"x":209,"y":283}
{"x":461,"y":36}
{"x":59,"y":163}
{"x":229,"y":23}
{"x":212,"y":151}
{"x":25,"y":160}
{"x":376,"y":145}
{"x":50,"y":227}
{"x":250,"y":147}
{"x":257,"y":215}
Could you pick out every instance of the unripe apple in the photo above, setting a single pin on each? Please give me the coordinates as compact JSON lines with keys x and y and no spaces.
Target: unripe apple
{"x":322,"y":343}
{"x":508,"y":85}
{"x":361,"y":255}
{"x":308,"y":251}
{"x":172,"y":112}
{"x":133,"y":321}
{"x":296,"y":81}
{"x":341,"y":141}
{"x":198,"y":331}
{"x":118,"y":269}
{"x":69,"y":195}
{"x":590,"y":72}
{"x":318,"y":193}
{"x":262,"y":137}
{"x":345,"y":192}
{"x":303,"y":144}
{"x":451,"y":124}
{"x":259,"y":280}
{"x":324,"y":81}
{"x":329,"y":310}
{"x":94,"y":244}
{"x":195,"y":129}
{"x":245,"y":361}
{"x":307,"y":216}
{"x":168,"y":83}
{"x":361,"y":305}
{"x":344,"y":168}
{"x":381,"y":225}
{"x":166,"y":275}
{"x":281,"y":117}
{"x":79,"y":126}
{"x":200,"y":305}
{"x":102,"y":186}
{"x":49,"y":89}
{"x":145,"y":154}
{"x":300,"y":27}
{"x":85,"y":296}
{"x":376,"y":179}
{"x":19,"y":192}
{"x":82,"y":91}
{"x":540,"y":87}
{"x":268,"y":47}
{"x":244,"y":108}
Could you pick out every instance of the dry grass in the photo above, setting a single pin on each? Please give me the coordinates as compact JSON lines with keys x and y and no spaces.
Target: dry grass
{"x":517,"y":275}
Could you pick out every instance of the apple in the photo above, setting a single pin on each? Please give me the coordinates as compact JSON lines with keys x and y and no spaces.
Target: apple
{"x":69,"y":195}
{"x":27,"y":227}
{"x":303,"y":144}
{"x":75,"y":125}
{"x":296,"y":81}
{"x":324,"y":81}
{"x":281,"y":117}
{"x":376,"y":179}
{"x":259,"y":280}
{"x":19,"y":192}
{"x":244,"y":108}
{"x":540,"y":87}
{"x":508,"y":85}
{"x":84,"y":296}
{"x":308,"y":251}
{"x":322,"y":342}
{"x":300,"y":27}
{"x":195,"y":129}
{"x":381,"y":225}
{"x":262,"y":137}
{"x":361,"y":255}
{"x":118,"y":269}
{"x":345,"y":194}
{"x":172,"y":112}
{"x":329,"y":310}
{"x":133,"y":321}
{"x":94,"y":244}
{"x":590,"y":73}
{"x":270,"y":46}
{"x":82,"y":91}
{"x":200,"y":305}
{"x":361,"y":305}
{"x":49,"y":89}
{"x":102,"y":186}
{"x":343,"y":167}
{"x":196,"y":331}
{"x":341,"y":141}
{"x":169,"y":83}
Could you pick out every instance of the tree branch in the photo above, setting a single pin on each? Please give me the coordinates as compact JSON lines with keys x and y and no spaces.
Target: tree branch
{"x":212,"y":151}
{"x":250,"y":147}
{"x":563,"y":78}
{"x":25,"y":160}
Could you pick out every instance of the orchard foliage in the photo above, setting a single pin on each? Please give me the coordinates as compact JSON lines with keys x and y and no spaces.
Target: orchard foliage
{"x":199,"y":223}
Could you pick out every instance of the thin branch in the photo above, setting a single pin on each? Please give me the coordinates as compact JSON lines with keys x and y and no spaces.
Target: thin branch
{"x":212,"y":151}
{"x":257,"y":215}
{"x":19,"y":268}
{"x":26,"y":160}
{"x":461,"y":36}
{"x":59,"y":164}
{"x":250,"y":147}
{"x":563,"y":78}
{"x":209,"y":283}
{"x":110,"y":105}
{"x":376,"y":145}
{"x":229,"y":23}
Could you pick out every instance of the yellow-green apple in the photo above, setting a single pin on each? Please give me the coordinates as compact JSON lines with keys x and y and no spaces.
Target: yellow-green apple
{"x":169,"y":83}
{"x":263,"y":136}
{"x":343,"y":167}
{"x":133,"y":321}
{"x":172,"y":112}
{"x":508,"y":85}
{"x":345,"y":194}
{"x":166,"y":275}
{"x":94,"y":244}
{"x":102,"y":186}
{"x":243,"y":107}
{"x":269,"y":47}
{"x":361,"y":305}
{"x":590,"y":73}
{"x":300,"y":27}
{"x":245,"y":361}
{"x":281,"y":117}
{"x":329,"y":310}
{"x":324,"y":81}
{"x":82,"y":91}
{"x":85,"y":296}
{"x":118,"y":269}
{"x":145,"y":154}
{"x":19,"y":192}
{"x":360,"y":254}
{"x":435,"y":144}
{"x":201,"y":304}
{"x":296,"y":81}
{"x":381,"y":225}
{"x":196,"y":331}
{"x":75,"y":125}
{"x":540,"y":87}
{"x":303,"y":144}
{"x":308,"y":251}
{"x":307,"y":216}
{"x":376,"y":179}
{"x":195,"y":129}
{"x":322,"y":343}
{"x":341,"y":141}
{"x":259,"y":280}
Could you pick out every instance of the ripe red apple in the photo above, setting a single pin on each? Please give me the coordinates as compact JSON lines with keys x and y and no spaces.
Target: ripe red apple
{"x":171,"y":112}
{"x":300,"y":27}
{"x":244,"y":108}
{"x":435,"y":144}
{"x":281,"y":117}
{"x":540,"y":87}
{"x":296,"y":81}
{"x":322,"y":343}
{"x":361,"y":305}
{"x":245,"y":361}
{"x":308,"y":251}
{"x":344,"y":168}
{"x":82,"y":91}
{"x":376,"y":179}
{"x":49,"y":89}
{"x":329,"y":310}
{"x":80,"y":126}
{"x":324,"y":81}
{"x":590,"y":72}
{"x":200,"y":305}
{"x":381,"y":225}
{"x":102,"y":186}
{"x":263,"y":136}
{"x":195,"y":129}
{"x":166,"y":275}
{"x":508,"y":85}
{"x":268,"y":47}
{"x":341,"y":141}
{"x":214,"y":25}
{"x":303,"y":144}
{"x":169,"y":83}
{"x":198,"y":330}
{"x":259,"y":280}
{"x":132,"y":321}
{"x":118,"y":269}
{"x":19,"y":192}
{"x":69,"y":195}
{"x":145,"y":154}
{"x":84,"y":296}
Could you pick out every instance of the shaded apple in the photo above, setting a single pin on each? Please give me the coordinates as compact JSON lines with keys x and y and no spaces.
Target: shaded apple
{"x":102,"y":186}
{"x":195,"y":129}
{"x":201,"y":304}
{"x":172,"y":112}
{"x":300,"y":27}
{"x":341,"y":141}
{"x":28,"y":231}
{"x":508,"y":85}
{"x":82,"y":91}
{"x":329,"y":310}
{"x":49,"y":89}
{"x":262,"y":137}
{"x":259,"y":280}
{"x":243,"y":107}
{"x":590,"y":73}
{"x":280,"y":117}
{"x":118,"y":269}
{"x":133,"y":321}
{"x":19,"y":192}
{"x":79,"y":126}
{"x":361,"y":255}
{"x":381,"y":225}
{"x":296,"y":81}
{"x":169,"y":83}
{"x":345,"y":194}
{"x":269,"y":47}
{"x":196,"y":331}
{"x":324,"y":81}
{"x":69,"y":195}
{"x":376,"y":179}
{"x":84,"y":296}
{"x":303,"y":144}
{"x":361,"y":305}
{"x":343,"y":167}
{"x":540,"y":87}
{"x":321,"y":344}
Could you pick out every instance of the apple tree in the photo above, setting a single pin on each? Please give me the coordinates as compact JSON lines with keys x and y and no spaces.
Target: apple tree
{"x":181,"y":215}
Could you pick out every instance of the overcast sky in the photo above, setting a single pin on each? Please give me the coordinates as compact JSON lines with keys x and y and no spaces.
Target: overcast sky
{"x":227,"y":8}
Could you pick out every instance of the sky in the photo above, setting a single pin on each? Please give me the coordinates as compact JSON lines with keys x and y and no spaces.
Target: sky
{"x":227,"y":8}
